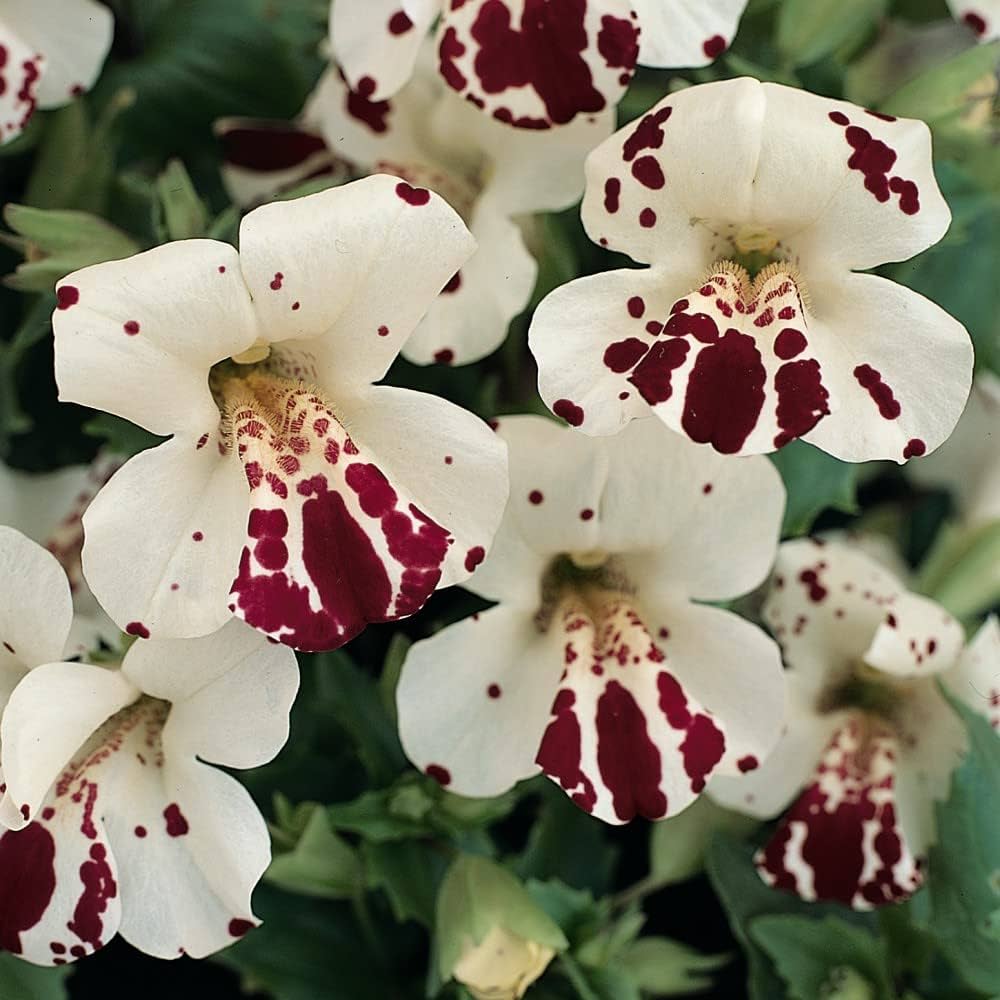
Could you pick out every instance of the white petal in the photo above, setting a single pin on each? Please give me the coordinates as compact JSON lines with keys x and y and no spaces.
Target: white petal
{"x":411,"y":435}
{"x":351,"y":270}
{"x":469,"y":319}
{"x":23,"y":68}
{"x":73,"y":35}
{"x":679,"y":33}
{"x":916,"y":637}
{"x":35,"y":503}
{"x":50,"y":715}
{"x":376,"y":42}
{"x":36,"y":609}
{"x":137,"y":337}
{"x":163,"y":538}
{"x":981,"y":16}
{"x":231,"y":692}
{"x":538,"y":66}
{"x":976,"y":677}
{"x":898,"y":366}
{"x":474,"y":700}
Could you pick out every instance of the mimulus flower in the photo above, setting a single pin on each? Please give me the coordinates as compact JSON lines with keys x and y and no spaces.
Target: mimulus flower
{"x":49,"y":508}
{"x":968,"y":464}
{"x":596,"y":667}
{"x":50,"y":51}
{"x":484,"y":170}
{"x":754,"y":204}
{"x":982,"y":16}
{"x":113,"y":822}
{"x":293,"y":493}
{"x":870,"y":743}
{"x":529,"y":63}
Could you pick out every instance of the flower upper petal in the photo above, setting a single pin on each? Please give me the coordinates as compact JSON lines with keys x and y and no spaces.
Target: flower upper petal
{"x":22,"y":77}
{"x":231,"y":693}
{"x":915,"y":638}
{"x":137,"y":337}
{"x":376,"y":42}
{"x":538,"y":63}
{"x":36,"y":609}
{"x":680,"y":33}
{"x":898,"y":366}
{"x":352,"y":270}
{"x":174,"y":517}
{"x":474,"y":700}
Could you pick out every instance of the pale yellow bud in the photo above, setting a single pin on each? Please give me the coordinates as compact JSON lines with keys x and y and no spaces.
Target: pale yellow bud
{"x":502,"y":966}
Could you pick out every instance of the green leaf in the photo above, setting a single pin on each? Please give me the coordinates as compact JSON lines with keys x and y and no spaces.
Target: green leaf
{"x":811,"y":29}
{"x":607,"y":946}
{"x":964,"y":879}
{"x":574,"y":910}
{"x":372,"y":817}
{"x":121,"y":436}
{"x":609,"y":983}
{"x":392,"y":667}
{"x":409,"y":872}
{"x":807,"y":954}
{"x":814,"y":481}
{"x":20,"y":980}
{"x":478,"y":895}
{"x":321,"y":863}
{"x":184,"y":213}
{"x":663,"y":967}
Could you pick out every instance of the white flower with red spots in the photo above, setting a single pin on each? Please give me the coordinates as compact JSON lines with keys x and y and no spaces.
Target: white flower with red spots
{"x":49,"y":508}
{"x":968,"y":464}
{"x":533,"y":64}
{"x":50,"y":51}
{"x":981,"y":16}
{"x":596,"y":666}
{"x":293,"y":493}
{"x":870,"y":743}
{"x":489,"y":174}
{"x":113,"y":822}
{"x":805,"y":191}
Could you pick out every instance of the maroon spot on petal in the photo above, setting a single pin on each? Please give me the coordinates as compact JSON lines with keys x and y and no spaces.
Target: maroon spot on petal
{"x":569,"y":411}
{"x":636,"y":306}
{"x":474,"y":557}
{"x":239,"y":927}
{"x":25,"y":811}
{"x":914,"y":448}
{"x":449,"y":50}
{"x":839,"y":118}
{"x":714,"y":47}
{"x":881,"y":394}
{"x":440,"y":774}
{"x":975,"y":22}
{"x":413,"y":195}
{"x":48,"y":812}
{"x":453,"y":285}
{"x":9,"y":648}
{"x":880,"y":115}
{"x":747,"y":763}
{"x":197,"y":536}
{"x":66,"y":296}
{"x":612,"y":192}
{"x":99,"y":886}
{"x":618,"y":43}
{"x":647,"y":218}
{"x":789,"y":343}
{"x":706,"y":489}
{"x":383,"y":331}
{"x":131,"y":327}
{"x":646,"y":170}
{"x":891,"y":621}
{"x":586,"y":514}
{"x":725,"y":393}
{"x":29,"y":880}
{"x":809,"y":578}
{"x":648,"y":134}
{"x":360,"y":106}
{"x":802,"y":400}
{"x":296,"y":306}
{"x":624,"y":355}
{"x":652,"y":375}
{"x":448,"y":460}
{"x":268,"y":148}
{"x":399,"y":23}
{"x":137,"y":628}
{"x":536,"y":497}
{"x":57,"y":948}
{"x":559,"y":753}
{"x":140,"y":832}
{"x":177,"y":825}
{"x":222,"y":269}
{"x":494,"y":691}
{"x":445,"y":356}
{"x":277,"y":280}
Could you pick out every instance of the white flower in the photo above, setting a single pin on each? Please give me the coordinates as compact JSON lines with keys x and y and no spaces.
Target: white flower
{"x":968,"y":463}
{"x":49,"y":508}
{"x":114,"y":823}
{"x":870,"y":742}
{"x":316,"y":500}
{"x":533,"y":64}
{"x":982,"y":17}
{"x":50,"y":51}
{"x":596,"y":667}
{"x":741,"y":171}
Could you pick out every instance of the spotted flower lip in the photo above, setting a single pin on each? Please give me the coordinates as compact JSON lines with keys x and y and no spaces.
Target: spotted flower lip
{"x":595,"y":666}
{"x":52,"y":51}
{"x":981,"y":16}
{"x":804,"y":190}
{"x":870,"y":743}
{"x":531,"y":64}
{"x":293,"y":493}
{"x":111,"y":819}
{"x":428,"y":136}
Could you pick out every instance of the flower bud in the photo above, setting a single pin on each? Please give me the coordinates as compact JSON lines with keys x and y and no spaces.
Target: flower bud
{"x":502,"y":966}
